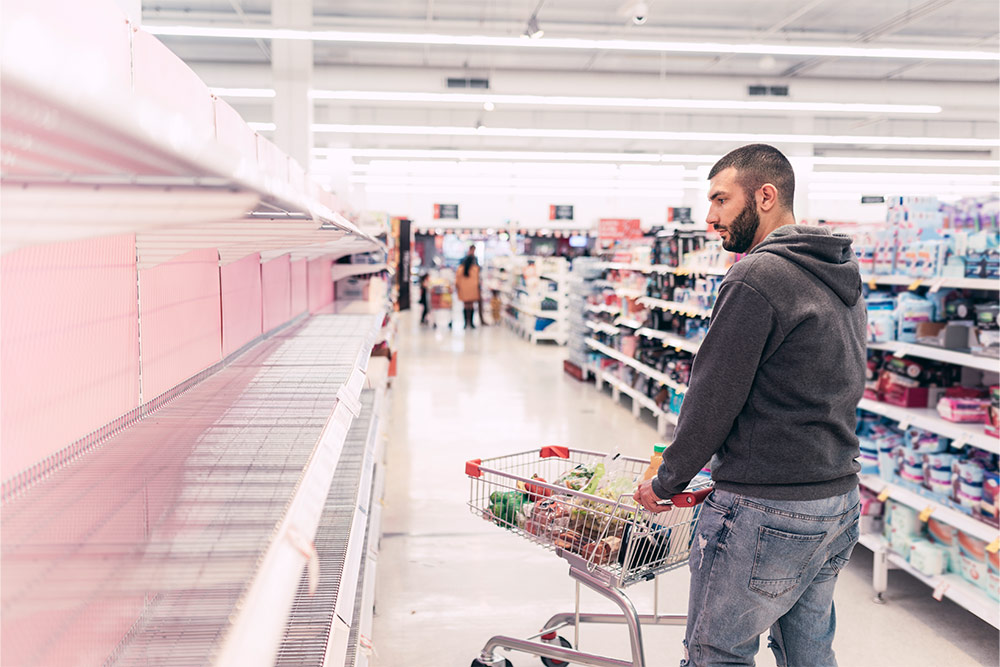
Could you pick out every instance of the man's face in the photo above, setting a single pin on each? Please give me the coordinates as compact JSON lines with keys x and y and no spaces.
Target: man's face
{"x":731,"y":212}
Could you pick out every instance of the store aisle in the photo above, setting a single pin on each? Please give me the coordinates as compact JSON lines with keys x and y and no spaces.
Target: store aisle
{"x":448,"y":581}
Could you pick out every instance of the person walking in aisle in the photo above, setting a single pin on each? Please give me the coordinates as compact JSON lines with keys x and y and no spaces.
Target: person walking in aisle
{"x":425,"y":296}
{"x":771,"y":402}
{"x":467,"y":286}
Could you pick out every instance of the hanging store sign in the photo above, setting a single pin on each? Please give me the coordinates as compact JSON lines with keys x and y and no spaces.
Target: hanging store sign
{"x":446,"y":211}
{"x":560,"y":212}
{"x":681,"y":215}
{"x":616,"y":229}
{"x":872,"y":199}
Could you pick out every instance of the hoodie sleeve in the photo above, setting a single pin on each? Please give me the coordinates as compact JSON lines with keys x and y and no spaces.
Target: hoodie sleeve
{"x":743,"y":323}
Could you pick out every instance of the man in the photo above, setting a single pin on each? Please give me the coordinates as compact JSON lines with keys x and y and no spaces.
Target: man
{"x":772,"y":398}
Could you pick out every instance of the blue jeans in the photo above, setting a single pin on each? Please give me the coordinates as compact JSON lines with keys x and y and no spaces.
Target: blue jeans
{"x":767,"y":564}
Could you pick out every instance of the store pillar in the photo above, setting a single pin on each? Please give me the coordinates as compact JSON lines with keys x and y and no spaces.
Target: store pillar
{"x":292,"y":68}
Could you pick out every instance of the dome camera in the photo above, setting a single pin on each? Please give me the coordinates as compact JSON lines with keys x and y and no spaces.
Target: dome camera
{"x":640,"y":11}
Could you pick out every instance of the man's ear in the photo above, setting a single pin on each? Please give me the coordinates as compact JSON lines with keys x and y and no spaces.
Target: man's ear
{"x":767,"y":197}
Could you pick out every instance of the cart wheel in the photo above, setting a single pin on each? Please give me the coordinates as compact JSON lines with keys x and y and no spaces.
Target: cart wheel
{"x":506,"y":663}
{"x":549,"y":662}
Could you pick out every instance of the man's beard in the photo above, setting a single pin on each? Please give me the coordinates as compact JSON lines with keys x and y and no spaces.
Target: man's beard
{"x":742,"y":229}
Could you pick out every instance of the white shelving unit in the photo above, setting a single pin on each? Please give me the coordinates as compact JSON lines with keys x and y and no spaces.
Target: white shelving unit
{"x":536,"y":291}
{"x":674,"y":307}
{"x":637,"y":365}
{"x":663,"y":268}
{"x":671,"y":340}
{"x":950,"y":586}
{"x":900,"y":349}
{"x":639,"y":400}
{"x":934,"y":283}
{"x":929,"y":420}
{"x":341,"y":271}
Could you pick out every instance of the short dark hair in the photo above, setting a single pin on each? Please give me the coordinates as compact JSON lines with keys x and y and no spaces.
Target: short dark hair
{"x":757,"y":164}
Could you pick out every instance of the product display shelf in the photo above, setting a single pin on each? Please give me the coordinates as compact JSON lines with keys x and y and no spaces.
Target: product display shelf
{"x":602,"y":327}
{"x":628,"y":322}
{"x":105,"y":148}
{"x":951,"y":586}
{"x":639,"y":400}
{"x":671,"y":340}
{"x":949,"y":515}
{"x":674,"y":307}
{"x":929,"y":420}
{"x":663,"y":268}
{"x":900,"y":349}
{"x":347,"y":529}
{"x":637,"y":365}
{"x":603,"y":308}
{"x":341,"y":271}
{"x":992,"y":284}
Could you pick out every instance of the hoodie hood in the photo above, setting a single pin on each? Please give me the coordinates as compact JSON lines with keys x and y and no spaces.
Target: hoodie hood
{"x":816,"y":250}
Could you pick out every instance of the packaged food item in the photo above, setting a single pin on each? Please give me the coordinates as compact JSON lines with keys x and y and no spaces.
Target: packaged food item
{"x":654,"y":461}
{"x":549,"y":516}
{"x":505,"y":506}
{"x":602,"y":551}
{"x":576,"y":478}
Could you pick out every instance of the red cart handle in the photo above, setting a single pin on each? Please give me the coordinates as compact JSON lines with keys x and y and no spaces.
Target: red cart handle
{"x":690,"y":498}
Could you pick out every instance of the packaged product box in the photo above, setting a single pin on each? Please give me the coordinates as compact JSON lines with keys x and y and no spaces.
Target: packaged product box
{"x":928,"y":558}
{"x":946,"y":537}
{"x":989,"y":505}
{"x":972,"y":557}
{"x":904,"y":519}
{"x":993,"y":574}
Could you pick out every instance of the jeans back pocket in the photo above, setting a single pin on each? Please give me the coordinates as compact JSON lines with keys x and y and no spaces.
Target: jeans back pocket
{"x":780,"y":560}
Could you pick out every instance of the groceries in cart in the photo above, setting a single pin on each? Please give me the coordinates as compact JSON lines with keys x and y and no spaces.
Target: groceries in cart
{"x":587,"y":510}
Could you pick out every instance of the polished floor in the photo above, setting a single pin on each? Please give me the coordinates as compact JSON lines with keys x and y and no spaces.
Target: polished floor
{"x":447,"y":580}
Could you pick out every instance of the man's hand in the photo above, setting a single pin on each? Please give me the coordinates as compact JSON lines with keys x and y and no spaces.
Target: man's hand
{"x":645,"y":496}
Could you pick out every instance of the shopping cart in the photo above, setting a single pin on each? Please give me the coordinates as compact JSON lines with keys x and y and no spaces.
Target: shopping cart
{"x":608,"y":541}
{"x":441,"y":303}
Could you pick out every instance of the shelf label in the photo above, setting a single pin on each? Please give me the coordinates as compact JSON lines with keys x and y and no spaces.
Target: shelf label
{"x":900,"y":353}
{"x":916,"y":284}
{"x":937,"y":284}
{"x":884,"y":496}
{"x":993,"y":546}
{"x":926,"y":513}
{"x":904,"y":424}
{"x":940,"y":590}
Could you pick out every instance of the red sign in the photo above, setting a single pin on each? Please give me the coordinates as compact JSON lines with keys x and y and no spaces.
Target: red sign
{"x":617,"y":229}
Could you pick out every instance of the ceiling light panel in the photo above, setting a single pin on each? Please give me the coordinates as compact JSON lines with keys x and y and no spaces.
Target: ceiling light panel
{"x":619,"y":102}
{"x":715,"y":48}
{"x":735,"y":137}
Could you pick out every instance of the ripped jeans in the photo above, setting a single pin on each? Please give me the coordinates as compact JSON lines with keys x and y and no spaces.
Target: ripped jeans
{"x":767,"y":564}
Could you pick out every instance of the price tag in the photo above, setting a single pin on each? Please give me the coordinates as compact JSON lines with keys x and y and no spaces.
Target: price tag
{"x":873,"y":284}
{"x":916,"y":284}
{"x":940,"y":590}
{"x":993,"y":546}
{"x":900,"y":353}
{"x":926,"y":513}
{"x":936,"y":285}
{"x":903,"y":424}
{"x":884,"y":496}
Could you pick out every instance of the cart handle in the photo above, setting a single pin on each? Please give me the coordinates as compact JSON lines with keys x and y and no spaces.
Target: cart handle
{"x":688,"y":498}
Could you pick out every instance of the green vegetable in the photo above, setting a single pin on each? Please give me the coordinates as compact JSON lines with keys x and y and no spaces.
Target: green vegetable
{"x":506,"y":505}
{"x":596,"y":479}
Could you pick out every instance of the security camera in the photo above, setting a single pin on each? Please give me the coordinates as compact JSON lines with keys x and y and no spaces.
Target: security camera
{"x":637,"y":10}
{"x":639,"y":13}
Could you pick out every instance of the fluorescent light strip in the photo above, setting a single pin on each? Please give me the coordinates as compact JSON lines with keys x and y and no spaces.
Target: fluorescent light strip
{"x":904,"y":162}
{"x":421,"y":154}
{"x":262,"y":127}
{"x":260,"y":93}
{"x":713,"y":48}
{"x":519,"y":183}
{"x":446,"y":190}
{"x":734,"y":137}
{"x":630,"y":102}
{"x":445,"y":154}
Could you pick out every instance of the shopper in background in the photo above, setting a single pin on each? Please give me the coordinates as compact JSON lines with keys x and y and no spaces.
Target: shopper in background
{"x":425,"y":296}
{"x":467,"y":286}
{"x":772,"y":397}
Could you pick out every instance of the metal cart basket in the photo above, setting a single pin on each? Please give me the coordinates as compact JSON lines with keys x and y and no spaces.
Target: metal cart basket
{"x":609,"y":542}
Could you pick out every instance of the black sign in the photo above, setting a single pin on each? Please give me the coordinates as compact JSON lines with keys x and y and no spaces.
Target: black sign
{"x":446,"y":211}
{"x":680,"y":215}
{"x":560,"y":212}
{"x":872,"y":199}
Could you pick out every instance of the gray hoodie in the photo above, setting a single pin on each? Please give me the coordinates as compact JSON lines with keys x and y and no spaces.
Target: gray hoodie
{"x":775,"y":384}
